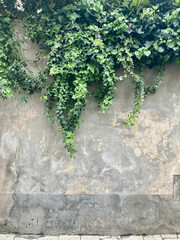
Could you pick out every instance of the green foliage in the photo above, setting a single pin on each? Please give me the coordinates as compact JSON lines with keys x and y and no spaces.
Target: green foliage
{"x":86,"y":41}
{"x":13,"y":74}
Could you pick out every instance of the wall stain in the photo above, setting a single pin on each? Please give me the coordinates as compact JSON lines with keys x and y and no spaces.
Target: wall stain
{"x":151,"y":138}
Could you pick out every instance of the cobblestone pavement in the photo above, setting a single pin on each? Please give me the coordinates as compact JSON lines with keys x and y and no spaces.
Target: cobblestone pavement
{"x":63,"y":237}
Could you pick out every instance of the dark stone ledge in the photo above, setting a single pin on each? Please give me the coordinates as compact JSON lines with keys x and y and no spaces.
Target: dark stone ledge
{"x":102,"y":214}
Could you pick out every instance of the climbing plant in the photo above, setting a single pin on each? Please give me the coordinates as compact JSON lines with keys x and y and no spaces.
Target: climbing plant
{"x":14,"y":75}
{"x":85,"y":41}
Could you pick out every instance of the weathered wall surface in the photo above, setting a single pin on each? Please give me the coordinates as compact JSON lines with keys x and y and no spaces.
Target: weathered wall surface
{"x":123,"y":180}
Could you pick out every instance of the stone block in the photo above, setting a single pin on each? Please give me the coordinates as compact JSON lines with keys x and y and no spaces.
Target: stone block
{"x":152,"y":237}
{"x":133,"y":238}
{"x":26,"y":237}
{"x":48,"y":238}
{"x":65,"y":237}
{"x":89,"y":237}
{"x":167,"y":236}
{"x":6,"y":237}
{"x":109,"y":238}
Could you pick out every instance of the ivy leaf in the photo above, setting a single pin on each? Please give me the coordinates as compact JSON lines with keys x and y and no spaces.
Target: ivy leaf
{"x":147,"y":53}
{"x":148,"y":44}
{"x":138,"y":54}
{"x":166,"y":31}
{"x":91,"y":68}
{"x":170,"y":43}
{"x":74,"y":16}
{"x":6,"y":19}
{"x":160,"y":49}
{"x":166,"y":58}
{"x":139,"y":31}
{"x":2,"y":39}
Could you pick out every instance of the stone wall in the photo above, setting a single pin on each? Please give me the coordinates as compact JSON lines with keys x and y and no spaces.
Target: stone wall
{"x":124,"y":180}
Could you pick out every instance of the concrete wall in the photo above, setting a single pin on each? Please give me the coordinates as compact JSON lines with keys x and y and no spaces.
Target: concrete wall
{"x":124,"y":180}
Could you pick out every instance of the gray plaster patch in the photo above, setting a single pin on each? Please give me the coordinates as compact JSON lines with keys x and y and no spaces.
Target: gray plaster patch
{"x":176,"y":184}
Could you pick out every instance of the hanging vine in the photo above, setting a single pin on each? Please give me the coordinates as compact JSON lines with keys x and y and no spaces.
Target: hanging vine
{"x":86,"y":41}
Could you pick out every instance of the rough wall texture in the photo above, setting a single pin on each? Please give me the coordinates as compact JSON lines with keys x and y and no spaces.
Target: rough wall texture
{"x":123,"y":180}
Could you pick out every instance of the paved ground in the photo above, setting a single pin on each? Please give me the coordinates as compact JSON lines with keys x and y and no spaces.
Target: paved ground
{"x":28,"y":237}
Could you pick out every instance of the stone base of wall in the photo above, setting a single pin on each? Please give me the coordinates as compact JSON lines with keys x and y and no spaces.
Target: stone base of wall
{"x":105,"y":214}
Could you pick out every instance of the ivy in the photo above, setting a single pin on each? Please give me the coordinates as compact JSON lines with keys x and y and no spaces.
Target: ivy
{"x":14,"y":75}
{"x":85,"y":42}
